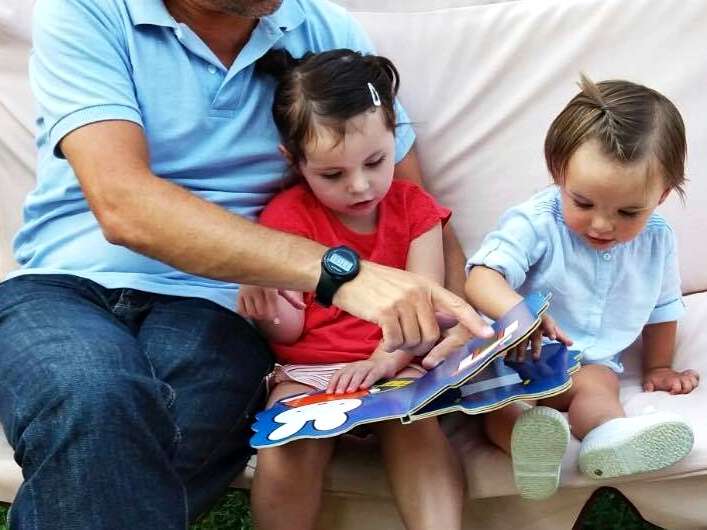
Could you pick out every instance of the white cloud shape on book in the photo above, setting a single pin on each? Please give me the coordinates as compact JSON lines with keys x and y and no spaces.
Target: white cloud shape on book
{"x":326,"y":416}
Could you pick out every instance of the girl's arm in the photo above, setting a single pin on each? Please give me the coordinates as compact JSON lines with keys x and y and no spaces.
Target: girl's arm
{"x":426,"y":255}
{"x":453,"y":256}
{"x":658,"y":351}
{"x":279,"y":319}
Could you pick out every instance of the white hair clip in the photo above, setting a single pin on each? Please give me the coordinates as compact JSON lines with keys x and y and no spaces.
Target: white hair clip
{"x":374,"y":95}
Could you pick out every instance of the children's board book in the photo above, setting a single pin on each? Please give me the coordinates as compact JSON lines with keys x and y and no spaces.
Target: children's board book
{"x":473,"y":379}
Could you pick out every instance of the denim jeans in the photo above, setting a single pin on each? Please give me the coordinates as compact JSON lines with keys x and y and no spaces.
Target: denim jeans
{"x":126,"y":409}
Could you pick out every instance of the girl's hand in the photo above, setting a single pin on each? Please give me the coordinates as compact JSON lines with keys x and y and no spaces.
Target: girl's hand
{"x":548,"y":328}
{"x":260,"y":303}
{"x":361,"y":374}
{"x":671,"y":381}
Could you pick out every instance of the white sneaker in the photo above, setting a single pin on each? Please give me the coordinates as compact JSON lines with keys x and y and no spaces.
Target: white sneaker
{"x":539,"y":440}
{"x":624,"y":446}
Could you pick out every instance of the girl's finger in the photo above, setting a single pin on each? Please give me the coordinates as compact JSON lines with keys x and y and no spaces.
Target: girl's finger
{"x":333,"y":382}
{"x":356,"y":380}
{"x":370,"y":379}
{"x":293,"y":298}
{"x":343,"y":383}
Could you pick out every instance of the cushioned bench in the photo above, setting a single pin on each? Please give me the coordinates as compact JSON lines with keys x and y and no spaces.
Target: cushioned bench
{"x":482,"y":83}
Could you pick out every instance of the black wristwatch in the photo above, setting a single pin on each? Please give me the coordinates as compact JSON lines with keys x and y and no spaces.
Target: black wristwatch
{"x":339,"y":265}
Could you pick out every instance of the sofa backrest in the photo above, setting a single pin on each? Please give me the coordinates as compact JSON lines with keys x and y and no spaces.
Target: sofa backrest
{"x":482,"y":81}
{"x":482,"y":84}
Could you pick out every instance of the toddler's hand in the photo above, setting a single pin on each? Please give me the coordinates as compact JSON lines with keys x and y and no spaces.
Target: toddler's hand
{"x":360,"y":374}
{"x":548,"y":328}
{"x":671,"y":381}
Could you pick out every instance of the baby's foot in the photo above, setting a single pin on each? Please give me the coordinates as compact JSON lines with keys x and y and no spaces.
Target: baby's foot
{"x":539,"y":440}
{"x":624,"y":446}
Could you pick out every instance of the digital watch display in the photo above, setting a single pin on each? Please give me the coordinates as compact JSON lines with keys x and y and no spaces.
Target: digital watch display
{"x":339,"y":265}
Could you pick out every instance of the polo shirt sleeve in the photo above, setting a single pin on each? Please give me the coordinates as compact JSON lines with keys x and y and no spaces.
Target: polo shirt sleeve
{"x":404,"y":133}
{"x":670,"y":305}
{"x":79,"y":69}
{"x":512,"y":248}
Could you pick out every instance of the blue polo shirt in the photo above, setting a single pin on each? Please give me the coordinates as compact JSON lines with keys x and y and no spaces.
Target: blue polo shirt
{"x":601,"y":299}
{"x":209,"y":128}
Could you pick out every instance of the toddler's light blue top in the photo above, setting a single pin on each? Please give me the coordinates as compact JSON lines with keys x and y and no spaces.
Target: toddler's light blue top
{"x":209,"y":128}
{"x":602,"y":299}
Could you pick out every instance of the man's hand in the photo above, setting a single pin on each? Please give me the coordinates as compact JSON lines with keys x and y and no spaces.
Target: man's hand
{"x":362,"y":374}
{"x":452,"y":339}
{"x":664,"y":378}
{"x":403,"y":304}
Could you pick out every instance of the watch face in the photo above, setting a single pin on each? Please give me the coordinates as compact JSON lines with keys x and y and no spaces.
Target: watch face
{"x":341,"y":262}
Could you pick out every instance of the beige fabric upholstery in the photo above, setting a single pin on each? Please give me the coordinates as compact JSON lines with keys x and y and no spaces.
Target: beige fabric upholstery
{"x":16,"y":143}
{"x":398,"y":6}
{"x":481,"y":84}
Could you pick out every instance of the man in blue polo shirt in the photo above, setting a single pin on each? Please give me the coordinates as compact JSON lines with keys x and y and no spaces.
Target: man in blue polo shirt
{"x":127,"y":381}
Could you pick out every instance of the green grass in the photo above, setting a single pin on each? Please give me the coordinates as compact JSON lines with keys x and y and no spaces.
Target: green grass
{"x":609,"y":512}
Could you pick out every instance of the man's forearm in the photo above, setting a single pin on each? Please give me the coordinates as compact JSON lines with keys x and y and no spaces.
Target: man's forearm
{"x":159,"y":219}
{"x":158,"y":222}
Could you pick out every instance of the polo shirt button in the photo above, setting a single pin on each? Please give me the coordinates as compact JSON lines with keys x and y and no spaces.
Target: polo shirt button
{"x":211,"y":69}
{"x":606,"y":256}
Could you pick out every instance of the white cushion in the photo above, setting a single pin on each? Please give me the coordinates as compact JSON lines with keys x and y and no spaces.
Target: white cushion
{"x":483,"y":83}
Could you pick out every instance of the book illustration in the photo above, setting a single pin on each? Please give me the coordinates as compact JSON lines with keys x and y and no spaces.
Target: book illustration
{"x":474,"y":379}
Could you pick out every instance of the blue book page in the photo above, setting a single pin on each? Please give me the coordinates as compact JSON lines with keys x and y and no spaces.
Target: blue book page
{"x":502,"y":382}
{"x":319,"y":415}
{"x":462,"y":364}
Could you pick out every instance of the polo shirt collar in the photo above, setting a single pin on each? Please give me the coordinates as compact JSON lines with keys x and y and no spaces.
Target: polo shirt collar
{"x":150,"y":12}
{"x":153,"y":12}
{"x":287,"y":17}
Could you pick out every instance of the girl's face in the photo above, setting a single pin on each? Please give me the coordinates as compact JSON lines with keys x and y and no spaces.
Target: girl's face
{"x":606,"y":202}
{"x":351,"y":176}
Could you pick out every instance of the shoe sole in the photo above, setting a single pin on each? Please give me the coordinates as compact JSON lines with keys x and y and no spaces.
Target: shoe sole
{"x":538,"y":444}
{"x":655,"y":447}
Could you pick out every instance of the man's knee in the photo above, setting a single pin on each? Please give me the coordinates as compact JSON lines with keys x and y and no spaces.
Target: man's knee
{"x":71,"y":404}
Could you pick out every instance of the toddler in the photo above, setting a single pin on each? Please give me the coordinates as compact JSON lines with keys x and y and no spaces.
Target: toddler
{"x":615,"y":152}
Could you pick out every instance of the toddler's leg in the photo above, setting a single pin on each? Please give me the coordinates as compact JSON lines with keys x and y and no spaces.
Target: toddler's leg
{"x":613,"y":445}
{"x":287,"y":486}
{"x":538,"y":444}
{"x":424,"y":472}
{"x":536,"y":438}
{"x":499,"y":424}
{"x":592,"y":400}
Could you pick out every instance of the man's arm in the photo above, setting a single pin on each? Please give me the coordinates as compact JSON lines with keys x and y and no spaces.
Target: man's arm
{"x":454,"y":259}
{"x":157,"y":218}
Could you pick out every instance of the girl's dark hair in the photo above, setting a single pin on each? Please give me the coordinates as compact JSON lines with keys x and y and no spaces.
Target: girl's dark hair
{"x":631,"y":123}
{"x":326,"y":89}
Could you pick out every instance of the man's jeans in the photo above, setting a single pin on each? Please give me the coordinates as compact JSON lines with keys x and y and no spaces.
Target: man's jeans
{"x":126,"y":409}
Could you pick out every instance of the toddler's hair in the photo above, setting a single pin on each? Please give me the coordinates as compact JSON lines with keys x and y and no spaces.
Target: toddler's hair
{"x":325,"y":90}
{"x":631,"y":123}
